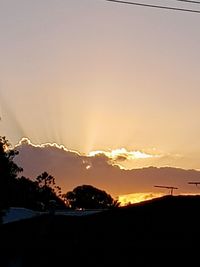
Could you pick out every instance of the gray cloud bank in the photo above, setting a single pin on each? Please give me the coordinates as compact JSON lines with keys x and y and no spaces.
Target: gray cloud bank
{"x":71,"y":169}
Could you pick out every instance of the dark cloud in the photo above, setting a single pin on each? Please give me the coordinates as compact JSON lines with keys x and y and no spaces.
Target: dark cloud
{"x":71,"y":169}
{"x":120,"y":158}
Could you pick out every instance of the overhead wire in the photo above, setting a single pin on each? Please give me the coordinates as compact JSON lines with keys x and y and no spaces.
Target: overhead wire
{"x":157,"y":6}
{"x":188,"y":1}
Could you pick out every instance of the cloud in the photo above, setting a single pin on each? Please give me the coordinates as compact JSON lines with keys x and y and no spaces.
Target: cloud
{"x":70,"y":168}
{"x":120,"y":158}
{"x":26,"y":141}
{"x":121,"y":155}
{"x":122,"y":152}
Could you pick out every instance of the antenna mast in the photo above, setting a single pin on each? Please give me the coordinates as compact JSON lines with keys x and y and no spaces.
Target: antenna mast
{"x":167,"y":187}
{"x":194,"y":183}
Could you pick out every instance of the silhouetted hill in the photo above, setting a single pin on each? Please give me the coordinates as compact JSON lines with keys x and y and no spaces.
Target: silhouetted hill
{"x":166,"y":226}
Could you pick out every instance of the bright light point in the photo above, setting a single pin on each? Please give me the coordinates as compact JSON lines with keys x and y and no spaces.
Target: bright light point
{"x":122,"y":154}
{"x":88,"y":167}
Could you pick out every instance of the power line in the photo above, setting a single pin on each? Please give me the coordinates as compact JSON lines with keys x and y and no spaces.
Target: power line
{"x":155,"y":6}
{"x":189,"y":1}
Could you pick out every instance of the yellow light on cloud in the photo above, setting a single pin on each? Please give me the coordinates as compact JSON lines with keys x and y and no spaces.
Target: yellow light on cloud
{"x":27,"y":141}
{"x":122,"y":152}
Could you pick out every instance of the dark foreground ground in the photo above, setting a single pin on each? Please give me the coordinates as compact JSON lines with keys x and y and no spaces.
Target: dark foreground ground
{"x":160,"y":232}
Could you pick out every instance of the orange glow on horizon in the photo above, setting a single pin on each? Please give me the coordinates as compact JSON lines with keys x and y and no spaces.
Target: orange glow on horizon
{"x":141,"y":197}
{"x":137,"y":197}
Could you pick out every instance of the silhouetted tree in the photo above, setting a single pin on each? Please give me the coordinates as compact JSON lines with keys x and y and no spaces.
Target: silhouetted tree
{"x":8,"y":172}
{"x":58,"y":191}
{"x":26,"y":194}
{"x":45,"y":180}
{"x":89,"y":197}
{"x":21,"y":191}
{"x":49,"y":192}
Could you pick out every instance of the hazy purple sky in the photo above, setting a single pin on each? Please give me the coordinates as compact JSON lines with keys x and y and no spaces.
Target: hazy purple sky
{"x":94,"y":75}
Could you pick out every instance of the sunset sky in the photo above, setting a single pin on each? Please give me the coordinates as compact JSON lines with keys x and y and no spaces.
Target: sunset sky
{"x":99,"y":76}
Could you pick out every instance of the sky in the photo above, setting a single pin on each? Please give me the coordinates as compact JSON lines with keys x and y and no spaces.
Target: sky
{"x":99,"y":76}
